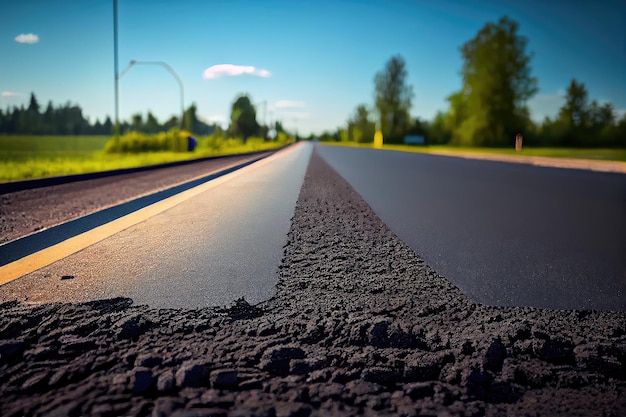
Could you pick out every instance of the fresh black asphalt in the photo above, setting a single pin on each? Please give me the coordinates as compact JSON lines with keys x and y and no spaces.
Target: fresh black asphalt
{"x":506,"y":234}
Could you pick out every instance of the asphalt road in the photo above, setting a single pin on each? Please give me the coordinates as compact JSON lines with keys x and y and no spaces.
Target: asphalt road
{"x":222,"y":243}
{"x":505,"y":234}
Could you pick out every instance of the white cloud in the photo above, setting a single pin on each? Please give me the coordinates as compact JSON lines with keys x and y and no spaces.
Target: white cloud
{"x":619,"y":113}
{"x":290,"y":115}
{"x":542,"y":105}
{"x":224,"y":70}
{"x":9,"y":94}
{"x":219,"y":119}
{"x":289,"y":104}
{"x":27,"y":38}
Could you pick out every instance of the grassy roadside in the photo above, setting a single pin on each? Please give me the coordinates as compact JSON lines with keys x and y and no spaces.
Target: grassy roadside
{"x":28,"y":157}
{"x":605,"y":154}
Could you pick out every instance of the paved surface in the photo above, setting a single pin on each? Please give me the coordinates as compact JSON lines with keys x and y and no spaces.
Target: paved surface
{"x":345,"y":335}
{"x":220,"y":245}
{"x":573,"y":163}
{"x":31,"y":210}
{"x":505,"y":234}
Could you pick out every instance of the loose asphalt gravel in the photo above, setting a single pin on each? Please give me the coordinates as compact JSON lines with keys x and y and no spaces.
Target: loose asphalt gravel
{"x":359,"y":326}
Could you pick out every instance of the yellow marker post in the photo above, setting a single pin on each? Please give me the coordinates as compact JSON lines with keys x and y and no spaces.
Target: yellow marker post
{"x":378,"y":139}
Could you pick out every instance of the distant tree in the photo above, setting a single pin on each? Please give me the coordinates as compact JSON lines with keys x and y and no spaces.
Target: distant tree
{"x":419,"y":127}
{"x":152,"y":124}
{"x":393,"y":99}
{"x":171,"y":123}
{"x":194,"y":124}
{"x":438,"y":130}
{"x":497,"y":82}
{"x":12,"y":121}
{"x":243,"y":118}
{"x":48,"y":120}
{"x":136,"y":121}
{"x":33,"y":105}
{"x":32,"y":117}
{"x":190,"y":118}
{"x":361,"y":128}
{"x":582,"y":124}
{"x":574,"y":115}
{"x":327,"y":137}
{"x":107,"y":126}
{"x":97,"y":128}
{"x":20,"y":118}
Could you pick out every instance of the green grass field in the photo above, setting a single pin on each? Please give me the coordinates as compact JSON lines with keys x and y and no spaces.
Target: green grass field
{"x":578,"y":153}
{"x":27,"y":157}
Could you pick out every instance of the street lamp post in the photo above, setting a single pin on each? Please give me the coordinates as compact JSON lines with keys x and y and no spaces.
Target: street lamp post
{"x":116,"y":128}
{"x":171,"y":71}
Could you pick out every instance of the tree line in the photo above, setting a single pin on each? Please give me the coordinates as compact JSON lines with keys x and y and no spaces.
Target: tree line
{"x":490,"y":109}
{"x":68,"y":119}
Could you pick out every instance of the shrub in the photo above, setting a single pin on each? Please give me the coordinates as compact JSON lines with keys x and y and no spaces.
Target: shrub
{"x":174,"y":140}
{"x":215,"y":141}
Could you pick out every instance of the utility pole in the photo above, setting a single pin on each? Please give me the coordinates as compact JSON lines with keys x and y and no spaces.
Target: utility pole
{"x":116,"y":128}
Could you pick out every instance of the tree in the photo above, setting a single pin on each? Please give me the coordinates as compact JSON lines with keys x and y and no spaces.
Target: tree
{"x":171,"y":123}
{"x":584,"y":124}
{"x":497,"y":82}
{"x":33,"y":105}
{"x":574,"y":114}
{"x":190,"y":118}
{"x":243,"y":118}
{"x":107,"y":126}
{"x":33,"y":118}
{"x":48,"y":120}
{"x":419,"y":127}
{"x":393,"y":99}
{"x":193,"y":124}
{"x":575,"y":111}
{"x":361,"y":129}
{"x":137,"y":122}
{"x":152,"y":124}
{"x":438,"y":131}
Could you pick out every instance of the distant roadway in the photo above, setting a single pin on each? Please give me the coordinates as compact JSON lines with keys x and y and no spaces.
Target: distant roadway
{"x":506,"y":234}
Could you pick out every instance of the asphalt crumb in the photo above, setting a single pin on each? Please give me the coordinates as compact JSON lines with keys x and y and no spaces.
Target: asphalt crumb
{"x":360,"y":326}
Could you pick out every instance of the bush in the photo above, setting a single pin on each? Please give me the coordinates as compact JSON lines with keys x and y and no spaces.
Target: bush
{"x":283,"y":138}
{"x":215,"y":141}
{"x":174,"y":140}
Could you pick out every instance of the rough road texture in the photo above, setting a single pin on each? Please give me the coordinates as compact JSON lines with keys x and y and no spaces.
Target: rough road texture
{"x":25,"y":212}
{"x":359,"y":326}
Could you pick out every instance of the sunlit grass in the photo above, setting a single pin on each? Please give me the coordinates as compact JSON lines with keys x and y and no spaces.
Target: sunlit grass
{"x":28,"y":157}
{"x":608,"y":154}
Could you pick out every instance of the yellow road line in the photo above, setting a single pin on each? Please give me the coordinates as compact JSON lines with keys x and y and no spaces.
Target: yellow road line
{"x":47,"y":256}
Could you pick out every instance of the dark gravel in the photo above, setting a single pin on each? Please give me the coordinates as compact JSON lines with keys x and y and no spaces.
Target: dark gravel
{"x":27,"y":211}
{"x":359,"y":326}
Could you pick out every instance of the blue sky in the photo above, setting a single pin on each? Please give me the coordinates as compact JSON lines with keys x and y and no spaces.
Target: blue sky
{"x":314,"y":62}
